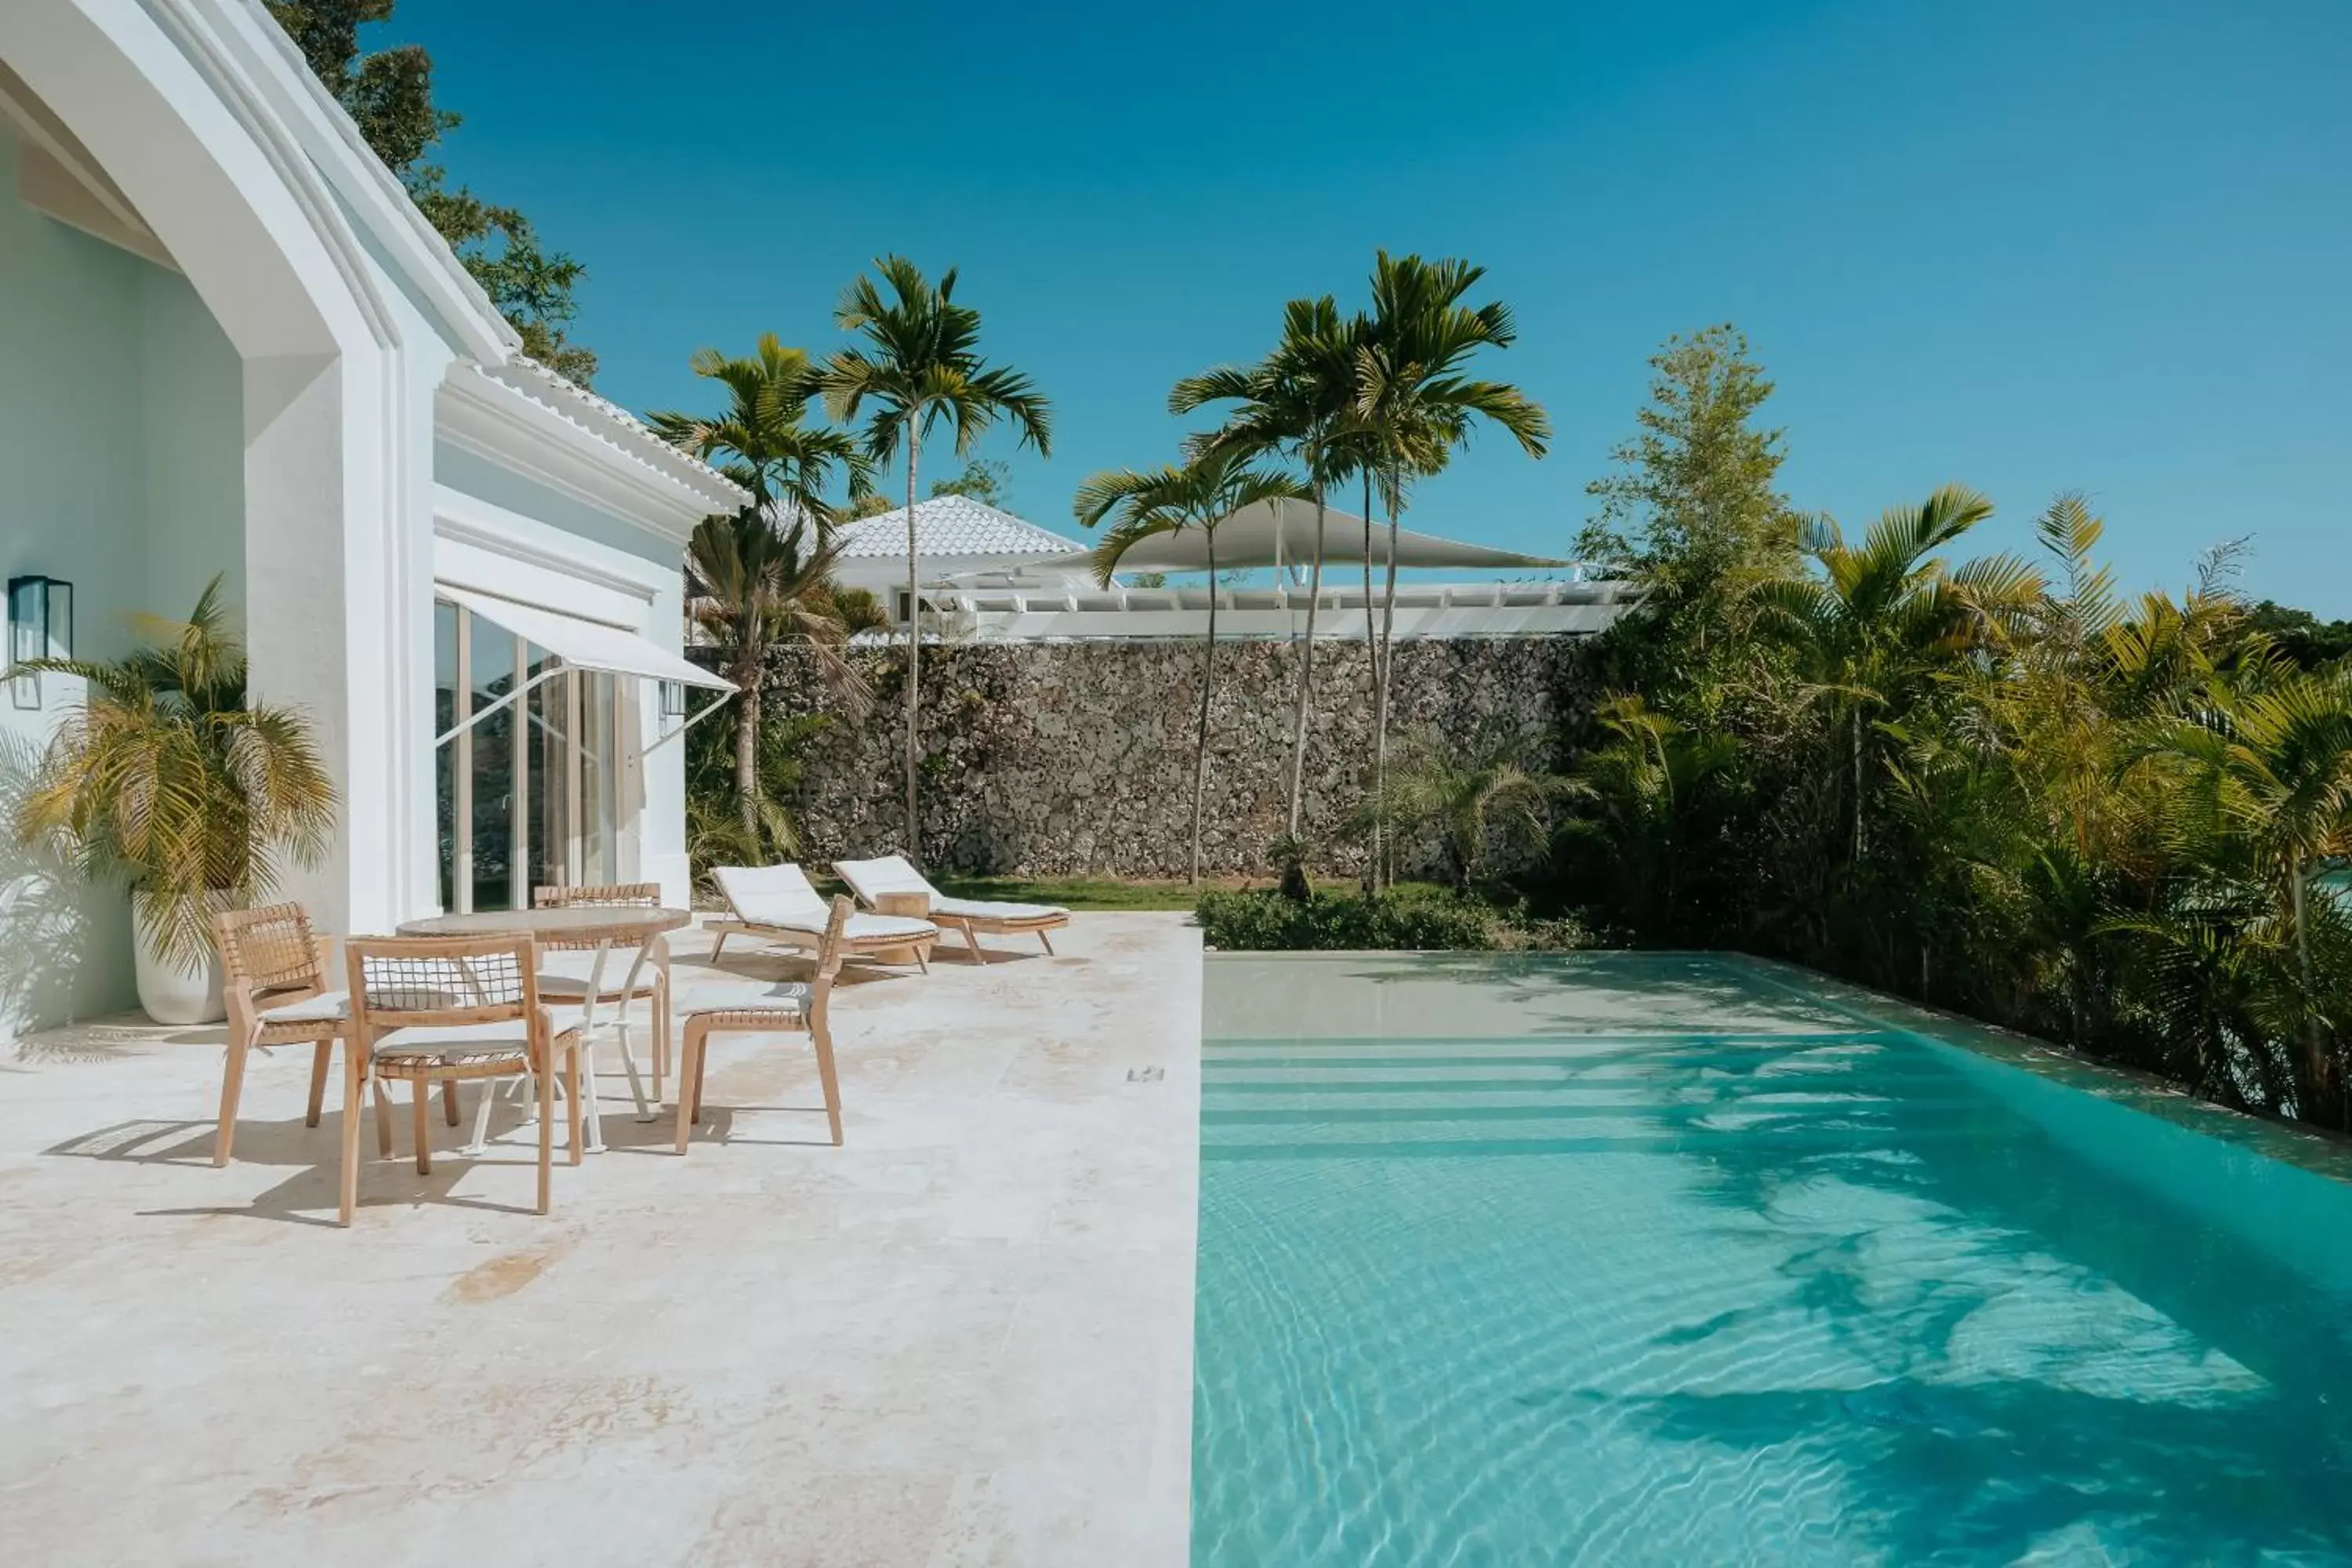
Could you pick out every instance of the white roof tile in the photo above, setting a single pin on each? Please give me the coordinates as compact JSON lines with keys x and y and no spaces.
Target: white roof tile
{"x":617,"y":427}
{"x":951,"y":525}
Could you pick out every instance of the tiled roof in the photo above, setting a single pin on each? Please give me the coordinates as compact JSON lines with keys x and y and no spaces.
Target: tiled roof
{"x":951,"y":525}
{"x":617,"y":427}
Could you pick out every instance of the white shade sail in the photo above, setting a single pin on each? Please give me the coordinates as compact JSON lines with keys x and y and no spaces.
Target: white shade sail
{"x":1282,"y":533}
{"x":587,"y":645}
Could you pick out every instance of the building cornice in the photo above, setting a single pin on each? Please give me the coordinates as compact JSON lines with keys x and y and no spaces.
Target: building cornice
{"x":270,"y":68}
{"x":501,"y":423}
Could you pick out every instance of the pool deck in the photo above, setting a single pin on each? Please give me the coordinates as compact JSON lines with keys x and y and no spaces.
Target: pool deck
{"x":963,"y":1338}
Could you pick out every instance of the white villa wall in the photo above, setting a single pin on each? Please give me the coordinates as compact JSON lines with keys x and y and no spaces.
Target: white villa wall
{"x":121,"y":471}
{"x":270,"y":409}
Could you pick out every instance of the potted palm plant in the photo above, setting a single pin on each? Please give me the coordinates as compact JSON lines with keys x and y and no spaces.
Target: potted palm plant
{"x":166,"y":777}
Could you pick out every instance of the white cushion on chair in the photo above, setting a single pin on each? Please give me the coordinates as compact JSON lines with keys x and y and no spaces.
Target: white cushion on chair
{"x":472,"y":1040}
{"x":565,"y":976}
{"x":327,"y":1008}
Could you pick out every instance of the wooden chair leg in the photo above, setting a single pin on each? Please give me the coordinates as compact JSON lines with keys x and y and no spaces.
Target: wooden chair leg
{"x":232,"y":1089}
{"x":701,"y":1072}
{"x":971,"y":941}
{"x":661,"y":1029}
{"x":449,"y":1100}
{"x":923,"y":957}
{"x":689,"y":1067}
{"x":823,"y":1037}
{"x":1049,"y":941}
{"x":383,"y":1121}
{"x":355,"y":1069}
{"x":718,"y":946}
{"x":420,"y":1096}
{"x":573,"y":1101}
{"x":322,"y":1056}
{"x":547,"y":1131}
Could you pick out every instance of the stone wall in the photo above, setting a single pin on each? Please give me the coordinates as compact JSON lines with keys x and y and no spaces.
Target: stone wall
{"x":1067,"y":759}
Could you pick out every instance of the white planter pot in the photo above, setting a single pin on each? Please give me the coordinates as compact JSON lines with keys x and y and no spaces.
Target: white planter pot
{"x":169,"y":993}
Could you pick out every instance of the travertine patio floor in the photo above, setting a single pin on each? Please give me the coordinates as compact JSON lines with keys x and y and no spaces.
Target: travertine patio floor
{"x":965,"y":1337}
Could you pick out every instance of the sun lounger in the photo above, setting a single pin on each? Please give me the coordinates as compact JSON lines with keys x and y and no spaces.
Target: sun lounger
{"x":892,"y":882}
{"x":775,"y":904}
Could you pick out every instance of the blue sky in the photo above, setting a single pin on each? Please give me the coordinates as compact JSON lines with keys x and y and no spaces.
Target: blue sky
{"x":2028,"y":247}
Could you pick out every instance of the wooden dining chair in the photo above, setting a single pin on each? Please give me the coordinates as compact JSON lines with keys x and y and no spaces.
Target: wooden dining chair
{"x":274,"y":977}
{"x":566,"y":980}
{"x":445,"y":1009}
{"x":795,"y":1006}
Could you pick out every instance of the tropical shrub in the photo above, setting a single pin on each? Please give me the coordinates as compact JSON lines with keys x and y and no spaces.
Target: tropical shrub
{"x":1994,"y":784}
{"x":170,"y":779}
{"x":1409,"y":918}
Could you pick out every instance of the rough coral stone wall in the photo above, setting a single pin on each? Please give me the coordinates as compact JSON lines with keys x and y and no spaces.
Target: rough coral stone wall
{"x":1070,"y":759}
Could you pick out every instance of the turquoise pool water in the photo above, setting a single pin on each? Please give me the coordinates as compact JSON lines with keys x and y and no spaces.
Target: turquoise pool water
{"x":1628,"y":1258}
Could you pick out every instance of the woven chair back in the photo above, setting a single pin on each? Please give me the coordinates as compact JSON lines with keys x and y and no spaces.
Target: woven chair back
{"x":398,"y":982}
{"x":828,"y":952}
{"x":268,"y":949}
{"x":613,"y":895}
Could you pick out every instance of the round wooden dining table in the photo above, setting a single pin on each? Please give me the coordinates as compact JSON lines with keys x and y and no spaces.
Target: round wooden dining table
{"x":607,"y":926}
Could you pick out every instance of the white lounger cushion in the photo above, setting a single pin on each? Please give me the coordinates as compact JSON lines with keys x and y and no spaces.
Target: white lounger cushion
{"x":782,"y":897}
{"x":872,"y":879}
{"x":878,"y":928}
{"x":992,"y":910}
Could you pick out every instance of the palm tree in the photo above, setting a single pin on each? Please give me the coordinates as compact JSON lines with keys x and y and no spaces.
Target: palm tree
{"x":168,"y":776}
{"x":1417,"y":402}
{"x":1469,"y":798}
{"x":1210,"y":486}
{"x":1646,"y":784}
{"x":754,"y":587}
{"x":920,"y":365}
{"x":759,"y":437}
{"x":1882,"y":616}
{"x":752,"y":592}
{"x":1298,"y":402}
{"x":2277,"y":763}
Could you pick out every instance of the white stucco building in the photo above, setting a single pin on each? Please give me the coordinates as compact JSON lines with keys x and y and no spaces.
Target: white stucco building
{"x":229,"y":343}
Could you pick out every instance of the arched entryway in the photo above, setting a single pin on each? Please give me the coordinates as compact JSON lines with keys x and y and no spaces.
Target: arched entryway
{"x":182,"y":108}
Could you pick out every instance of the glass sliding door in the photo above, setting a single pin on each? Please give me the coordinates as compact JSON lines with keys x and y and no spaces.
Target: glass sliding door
{"x":552,"y":792}
{"x":445,"y":757}
{"x":531,"y":793}
{"x":600,"y":778}
{"x":491,"y":657}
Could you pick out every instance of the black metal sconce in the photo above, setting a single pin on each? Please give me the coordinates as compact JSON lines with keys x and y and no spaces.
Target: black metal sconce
{"x":40,"y":625}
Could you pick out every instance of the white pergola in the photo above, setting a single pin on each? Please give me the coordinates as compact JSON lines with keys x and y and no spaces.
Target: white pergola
{"x":1281,"y":534}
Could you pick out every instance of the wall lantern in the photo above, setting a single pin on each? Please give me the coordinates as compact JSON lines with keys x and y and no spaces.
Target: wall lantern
{"x":40,"y":625}
{"x":673,"y":698}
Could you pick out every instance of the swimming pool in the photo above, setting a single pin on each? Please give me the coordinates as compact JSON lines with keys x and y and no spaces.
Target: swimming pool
{"x":1654,"y":1259}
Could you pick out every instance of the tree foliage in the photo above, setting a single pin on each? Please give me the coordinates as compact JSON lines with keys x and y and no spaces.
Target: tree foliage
{"x":388,"y":93}
{"x":985,"y":480}
{"x":1999,"y":785}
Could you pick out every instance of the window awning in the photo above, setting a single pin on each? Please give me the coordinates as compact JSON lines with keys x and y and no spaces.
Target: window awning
{"x":586,"y":645}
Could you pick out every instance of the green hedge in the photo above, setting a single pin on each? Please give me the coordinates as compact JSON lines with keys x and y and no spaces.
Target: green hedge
{"x":1408,"y":920}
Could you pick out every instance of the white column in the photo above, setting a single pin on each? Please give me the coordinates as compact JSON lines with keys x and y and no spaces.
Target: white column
{"x":339,"y":616}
